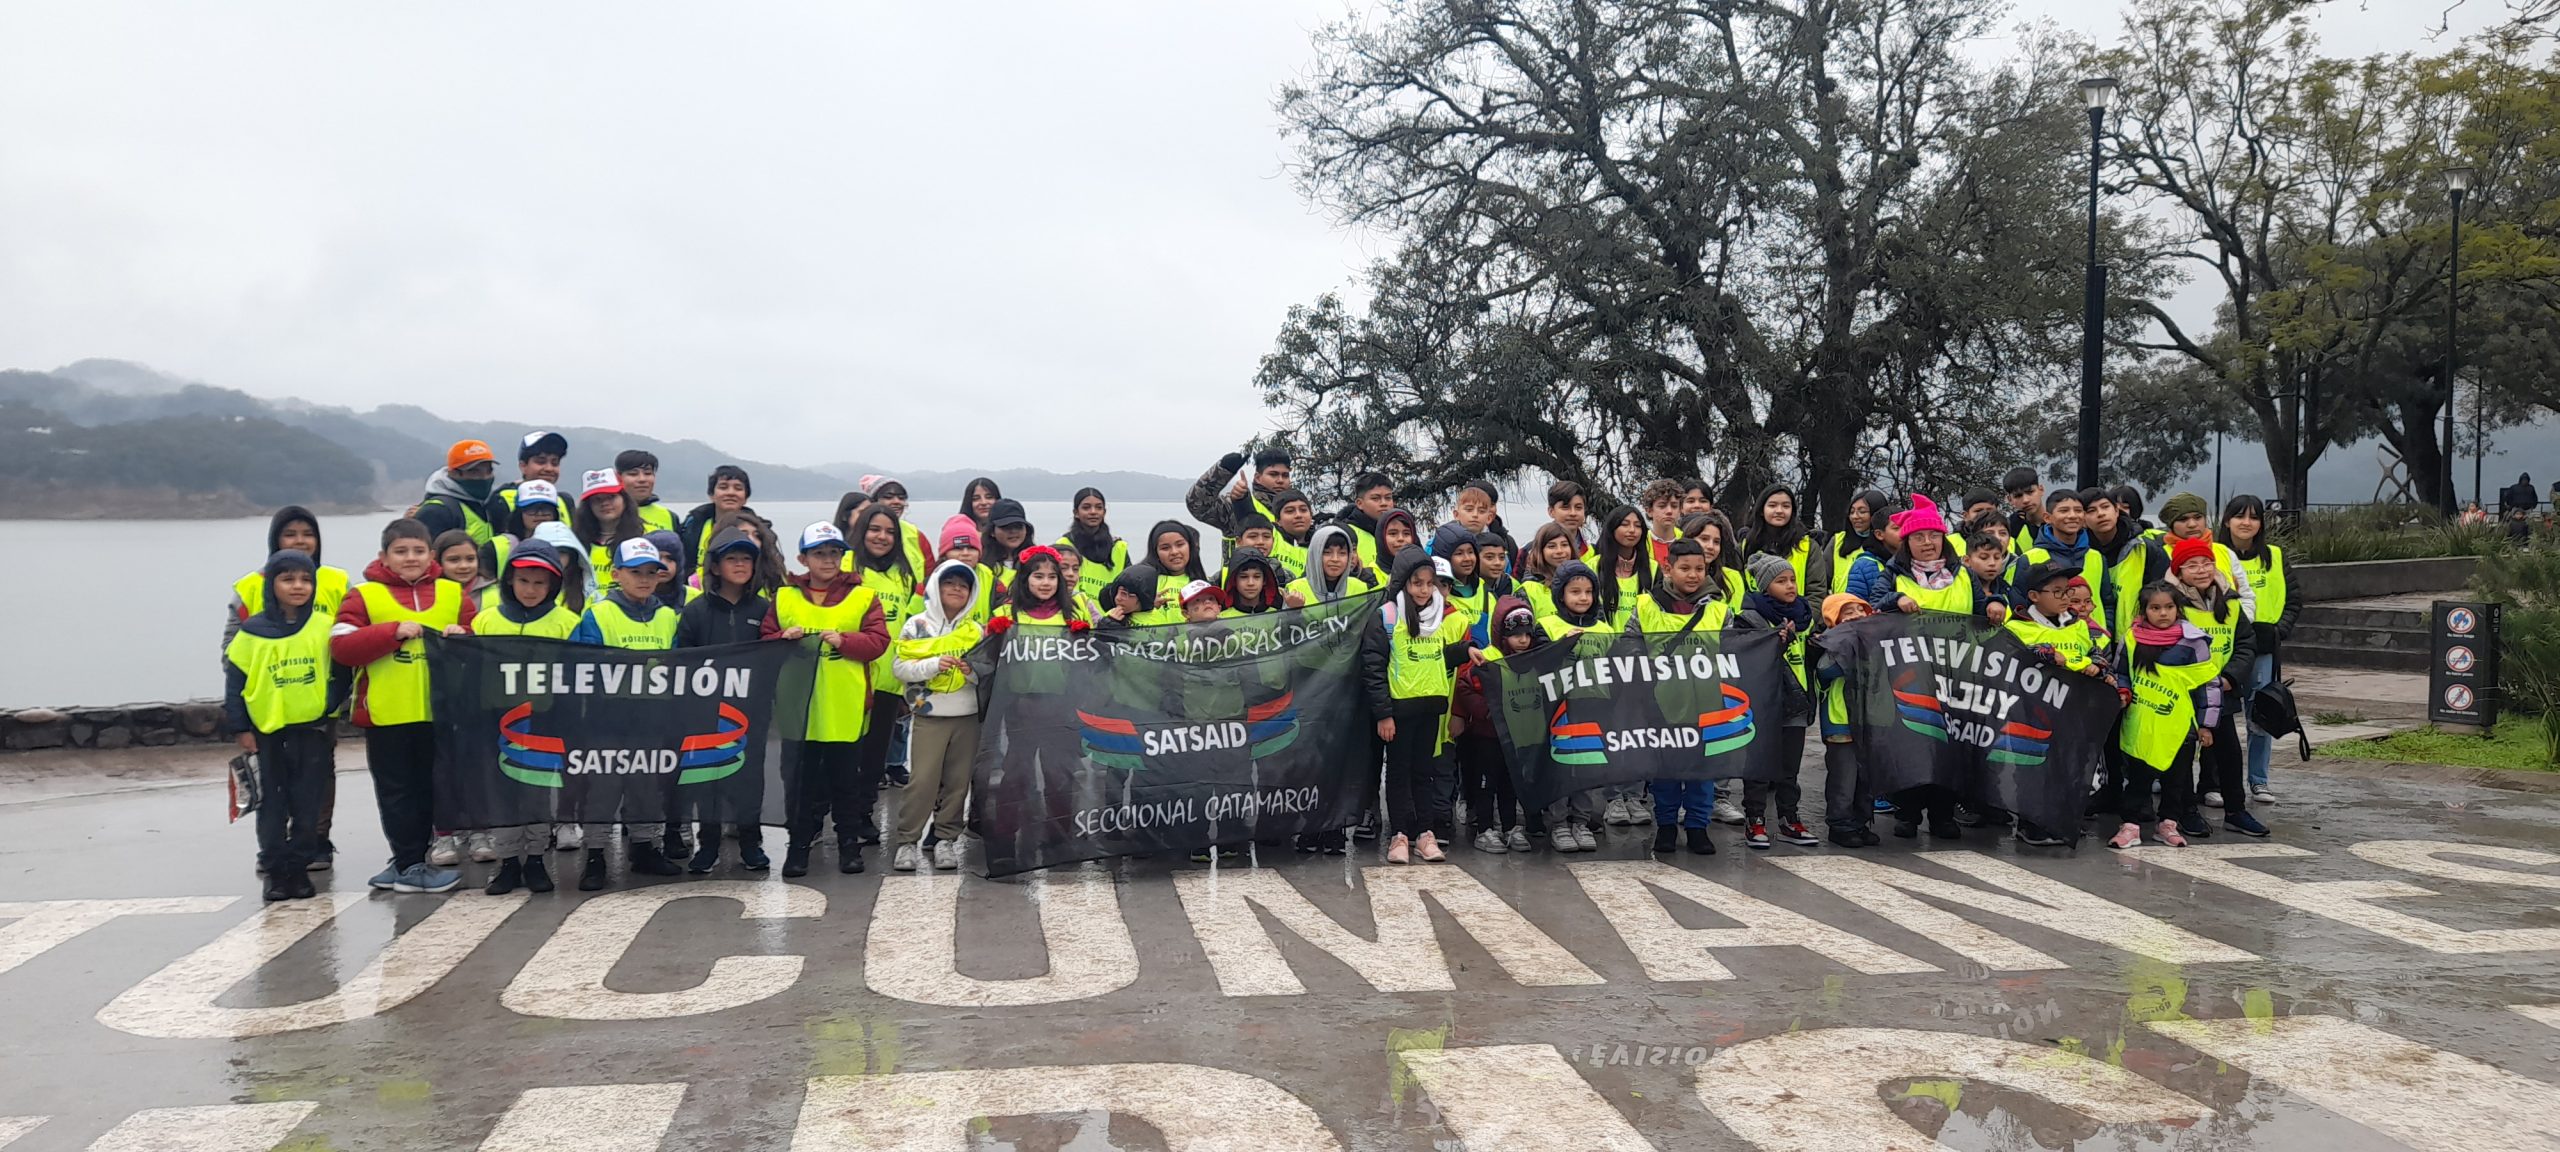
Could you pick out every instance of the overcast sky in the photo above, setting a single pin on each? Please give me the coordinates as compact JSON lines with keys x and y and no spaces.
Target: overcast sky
{"x":918,"y":236}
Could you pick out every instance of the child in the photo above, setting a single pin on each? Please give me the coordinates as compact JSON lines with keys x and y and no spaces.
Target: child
{"x":1550,"y":547}
{"x":1102,"y":554}
{"x":1725,"y":560}
{"x":1406,"y":658}
{"x":1625,"y":564}
{"x":379,"y":632}
{"x":2184,"y":518}
{"x":1456,"y":544}
{"x":848,"y":611}
{"x":1848,"y":799}
{"x":1202,"y":602}
{"x":2048,"y":628}
{"x":2207,"y":601}
{"x":537,"y":503}
{"x":1695,"y":499}
{"x":960,"y":541}
{"x":932,"y":660}
{"x":674,"y":589}
{"x":1334,"y":574}
{"x":1008,"y":533}
{"x":1492,"y":809}
{"x":1173,"y":550}
{"x":1570,"y":509}
{"x":1574,"y":590}
{"x":294,"y":527}
{"x":1253,"y":533}
{"x":1372,"y":497}
{"x":1253,"y":585}
{"x":1680,"y":605}
{"x":1778,"y":531}
{"x":459,"y":557}
{"x":1129,"y":600}
{"x":2172,"y":660}
{"x":1986,"y":561}
{"x":2262,"y":566}
{"x":1858,"y":537}
{"x":527,"y":604}
{"x":1293,"y":525}
{"x":729,"y":490}
{"x":1396,"y":532}
{"x":978,"y":500}
{"x":1923,"y":577}
{"x":638,"y":472}
{"x":1661,"y":504}
{"x":604,"y":520}
{"x":280,"y":691}
{"x":1777,"y":606}
{"x":1493,"y":566}
{"x":892,"y":495}
{"x":731,"y":609}
{"x":629,"y":617}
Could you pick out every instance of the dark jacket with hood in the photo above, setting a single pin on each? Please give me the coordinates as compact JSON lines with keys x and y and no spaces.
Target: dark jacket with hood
{"x":1760,"y":610}
{"x":1139,"y":579}
{"x":504,"y":603}
{"x":713,"y":618}
{"x":1193,"y":571}
{"x":1566,"y":573}
{"x":1376,"y":653}
{"x":1271,"y":581}
{"x":861,"y":645}
{"x":1475,"y":704}
{"x":238,"y":610}
{"x":274,"y":621}
{"x":1384,"y":562}
{"x":441,"y":508}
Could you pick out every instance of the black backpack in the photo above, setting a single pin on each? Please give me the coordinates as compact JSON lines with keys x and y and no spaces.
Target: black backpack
{"x":2272,"y":711}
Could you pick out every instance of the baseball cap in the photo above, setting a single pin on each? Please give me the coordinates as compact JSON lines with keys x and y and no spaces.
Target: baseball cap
{"x":537,"y":492}
{"x":637,"y":552}
{"x":559,"y":535}
{"x":598,"y":481}
{"x":1199,"y":588}
{"x":1519,"y":620}
{"x":535,"y":554}
{"x":1440,"y":567}
{"x":466,"y":452}
{"x":2041,"y":575}
{"x":1006,"y":513}
{"x":542,"y":444}
{"x":820,"y":535}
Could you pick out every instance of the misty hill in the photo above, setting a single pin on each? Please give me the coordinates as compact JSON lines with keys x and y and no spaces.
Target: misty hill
{"x":194,"y":464}
{"x":1022,"y":483}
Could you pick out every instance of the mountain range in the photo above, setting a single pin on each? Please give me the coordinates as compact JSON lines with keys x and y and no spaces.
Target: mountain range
{"x":100,"y":438}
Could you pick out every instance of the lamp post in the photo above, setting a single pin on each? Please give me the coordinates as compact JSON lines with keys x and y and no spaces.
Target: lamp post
{"x":2097,"y":93}
{"x":2457,"y":181}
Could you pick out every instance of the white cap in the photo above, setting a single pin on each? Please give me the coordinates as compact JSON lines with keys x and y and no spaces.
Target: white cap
{"x":1440,"y":566}
{"x":537,"y":492}
{"x":599,"y":480}
{"x":637,"y":552}
{"x":820,"y":535}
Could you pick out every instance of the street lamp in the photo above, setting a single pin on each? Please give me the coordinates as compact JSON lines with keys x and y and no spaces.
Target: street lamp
{"x":2096,"y":92}
{"x":2457,"y":181}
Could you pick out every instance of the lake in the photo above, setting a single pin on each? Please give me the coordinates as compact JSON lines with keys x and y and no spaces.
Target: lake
{"x":158,"y":635}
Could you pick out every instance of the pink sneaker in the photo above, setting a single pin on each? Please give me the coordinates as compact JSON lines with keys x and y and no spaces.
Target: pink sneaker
{"x":2169,"y":834}
{"x":2127,"y":836}
{"x":1396,"y":852}
{"x":1428,"y":848}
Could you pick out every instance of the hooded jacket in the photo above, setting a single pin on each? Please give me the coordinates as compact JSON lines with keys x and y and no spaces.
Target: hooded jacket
{"x":713,"y":618}
{"x":274,"y":621}
{"x":1138,"y":580}
{"x":1382,"y":561}
{"x":1271,"y":582}
{"x":1473,"y":708}
{"x":1190,"y":572}
{"x":356,"y":640}
{"x":1319,"y":589}
{"x":1567,"y":573}
{"x":441,"y":509}
{"x":504,"y":603}
{"x":862,"y":645}
{"x":1419,"y":620}
{"x":333,"y":581}
{"x":929,"y":635}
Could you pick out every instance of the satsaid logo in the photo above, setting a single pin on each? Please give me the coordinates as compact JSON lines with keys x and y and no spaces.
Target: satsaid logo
{"x":1119,"y":742}
{"x":544,"y":761}
{"x":1918,"y":704}
{"x":1716,"y":732}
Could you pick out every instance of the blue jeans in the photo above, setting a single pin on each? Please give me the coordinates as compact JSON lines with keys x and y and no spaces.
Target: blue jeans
{"x":2261,"y":746}
{"x":1687,"y":803}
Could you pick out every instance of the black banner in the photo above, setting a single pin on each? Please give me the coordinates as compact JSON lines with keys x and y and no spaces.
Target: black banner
{"x":531,"y":730}
{"x":1607,"y":708}
{"x":1171,"y":738}
{"x":1957,"y":701}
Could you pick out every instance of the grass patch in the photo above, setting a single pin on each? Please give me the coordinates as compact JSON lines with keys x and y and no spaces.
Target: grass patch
{"x":2338,"y":719}
{"x":2515,"y":746}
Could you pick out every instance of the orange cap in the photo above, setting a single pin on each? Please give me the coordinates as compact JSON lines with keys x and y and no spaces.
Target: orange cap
{"x":468,"y":452}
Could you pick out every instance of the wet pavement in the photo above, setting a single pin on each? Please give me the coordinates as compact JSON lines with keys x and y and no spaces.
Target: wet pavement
{"x":2385,"y":973}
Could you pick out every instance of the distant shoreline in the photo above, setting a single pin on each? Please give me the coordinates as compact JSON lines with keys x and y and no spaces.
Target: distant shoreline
{"x":161,"y":505}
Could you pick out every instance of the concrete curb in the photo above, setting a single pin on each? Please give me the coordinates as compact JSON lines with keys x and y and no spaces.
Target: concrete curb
{"x":2507,"y":780}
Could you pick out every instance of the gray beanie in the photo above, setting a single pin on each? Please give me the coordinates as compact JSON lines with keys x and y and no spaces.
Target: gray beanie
{"x":1765,"y":569}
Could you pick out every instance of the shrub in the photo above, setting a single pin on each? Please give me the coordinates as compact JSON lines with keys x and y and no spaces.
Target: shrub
{"x":2527,"y":582}
{"x":2384,"y":532}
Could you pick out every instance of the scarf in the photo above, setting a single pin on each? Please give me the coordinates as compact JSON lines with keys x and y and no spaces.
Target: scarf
{"x":1932,"y":574}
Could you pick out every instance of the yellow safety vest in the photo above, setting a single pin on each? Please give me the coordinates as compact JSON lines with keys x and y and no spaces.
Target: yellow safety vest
{"x":1844,"y":552}
{"x":2093,"y":567}
{"x":1956,"y":597}
{"x":288,"y":676}
{"x":1799,"y":558}
{"x":474,"y":521}
{"x":2073,"y":644}
{"x":1418,"y":666}
{"x":2220,"y":630}
{"x":961,"y":638}
{"x":1292,"y":558}
{"x":657,"y":517}
{"x":328,"y":591}
{"x":1351,"y":586}
{"x":395,"y":687}
{"x":2163,"y":714}
{"x":556,"y":624}
{"x":2270,"y":580}
{"x":1091,"y":577}
{"x":621,"y":631}
{"x":1652,"y":618}
{"x":840,"y":704}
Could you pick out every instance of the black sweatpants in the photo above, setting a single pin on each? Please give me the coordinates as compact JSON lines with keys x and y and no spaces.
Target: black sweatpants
{"x":402,"y":759}
{"x":1790,"y":791}
{"x":1422,"y":791}
{"x":1490,"y":803}
{"x":2224,"y":767}
{"x":1848,"y":802}
{"x":295,"y":765}
{"x":879,"y":736}
{"x":2135,"y":803}
{"x":832,"y":779}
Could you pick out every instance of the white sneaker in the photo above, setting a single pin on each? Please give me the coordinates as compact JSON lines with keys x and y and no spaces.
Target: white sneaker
{"x":1490,"y":840}
{"x":905,"y":860}
{"x":946,"y":855}
{"x":2262,"y":795}
{"x":1728,"y":812}
{"x":445,"y":852}
{"x":1518,"y":839}
{"x":482,"y":846}
{"x":1615,"y":812}
{"x":2213,"y":799}
{"x":568,"y":837}
{"x":1584,"y":840}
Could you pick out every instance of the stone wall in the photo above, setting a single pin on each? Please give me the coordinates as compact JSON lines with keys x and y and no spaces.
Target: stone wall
{"x":122,"y":726}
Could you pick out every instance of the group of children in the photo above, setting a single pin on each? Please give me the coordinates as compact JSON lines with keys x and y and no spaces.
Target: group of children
{"x":2185,"y":624}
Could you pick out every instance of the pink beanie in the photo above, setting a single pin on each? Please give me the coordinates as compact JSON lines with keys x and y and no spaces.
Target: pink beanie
{"x":959,"y":529}
{"x":1922,"y":516}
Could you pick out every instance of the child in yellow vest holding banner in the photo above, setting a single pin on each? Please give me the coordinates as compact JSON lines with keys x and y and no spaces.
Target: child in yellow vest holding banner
{"x":932,"y":652}
{"x":630,"y":617}
{"x":1406,"y":658}
{"x":293,"y":526}
{"x":2172,"y":660}
{"x":528,"y":604}
{"x":380,"y":632}
{"x":848,"y":609}
{"x":280,"y":691}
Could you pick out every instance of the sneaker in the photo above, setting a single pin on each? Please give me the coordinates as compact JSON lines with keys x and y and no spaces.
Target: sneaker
{"x":946,"y":856}
{"x":1490,"y":841}
{"x":2213,"y":799}
{"x":1883,"y":805}
{"x":751,"y":856}
{"x":2127,"y":836}
{"x":537,"y":874}
{"x":2261,"y":795}
{"x":384,"y":879}
{"x":1427,"y":850}
{"x":322,"y":861}
{"x":1700,"y":843}
{"x":904,"y":860}
{"x":591,"y":877}
{"x":445,"y":852}
{"x":1755,"y":836}
{"x":2243,"y":823}
{"x":426,"y":878}
{"x":1517,"y":839}
{"x":568,"y":837}
{"x":1367,"y":828}
{"x":1563,"y":840}
{"x":647,"y":860}
{"x":275,"y":889}
{"x":509,"y":878}
{"x":1906,"y":829}
{"x":1794,"y":832}
{"x":795,"y":860}
{"x":2029,"y":834}
{"x":1335,"y":843}
{"x":1966,"y":816}
{"x":1728,"y":812}
{"x":1666,"y":838}
{"x":704,"y":859}
{"x":1398,"y":852}
{"x":1585,"y":840}
{"x":896,"y":774}
{"x":1848,"y":838}
{"x":2193,"y":827}
{"x":482,"y":846}
{"x":849,"y":858}
{"x":298,"y":887}
{"x":2169,"y":834}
